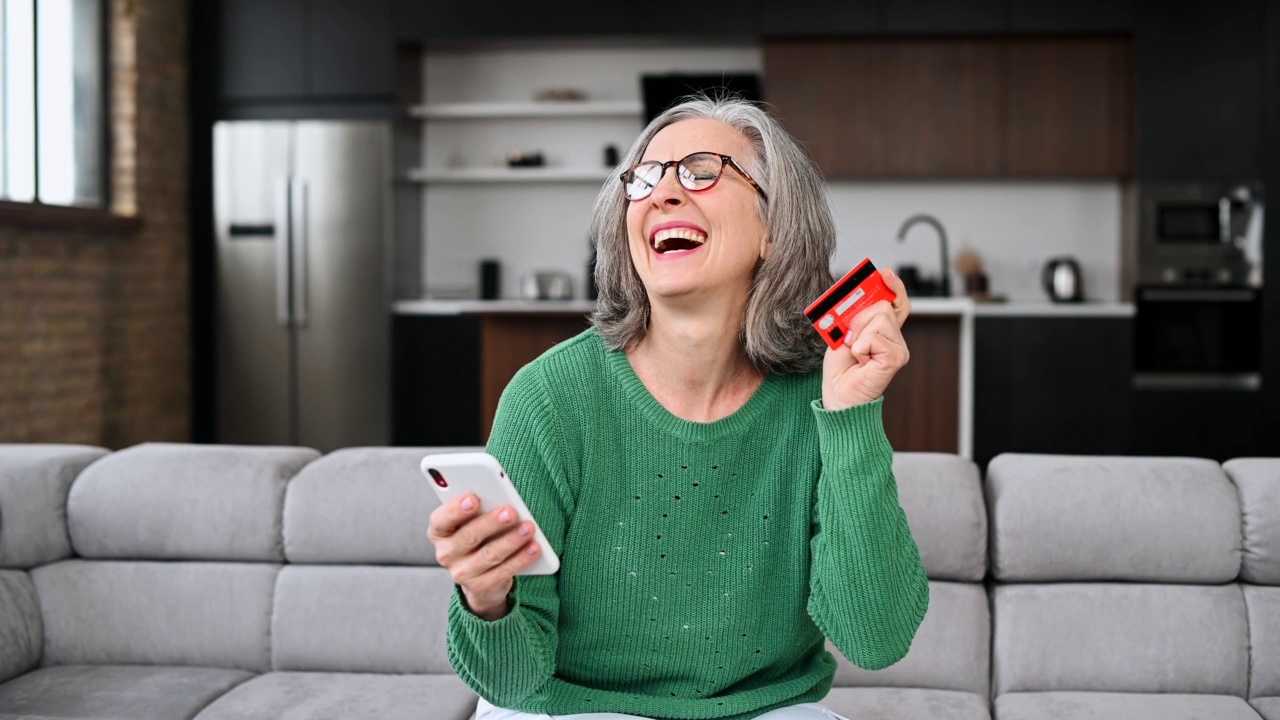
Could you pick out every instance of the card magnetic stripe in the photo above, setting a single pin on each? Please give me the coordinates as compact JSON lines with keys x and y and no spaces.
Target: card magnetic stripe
{"x":840,"y":292}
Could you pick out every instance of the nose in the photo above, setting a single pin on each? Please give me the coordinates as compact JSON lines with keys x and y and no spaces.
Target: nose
{"x":669,"y":190}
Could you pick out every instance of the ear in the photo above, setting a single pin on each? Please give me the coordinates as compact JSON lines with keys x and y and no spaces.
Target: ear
{"x":766,"y":246}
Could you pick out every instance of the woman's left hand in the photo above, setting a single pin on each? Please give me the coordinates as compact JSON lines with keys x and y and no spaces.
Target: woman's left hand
{"x":873,"y":352}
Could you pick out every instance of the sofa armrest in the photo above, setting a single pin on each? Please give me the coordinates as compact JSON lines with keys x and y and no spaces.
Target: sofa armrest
{"x":34,"y":483}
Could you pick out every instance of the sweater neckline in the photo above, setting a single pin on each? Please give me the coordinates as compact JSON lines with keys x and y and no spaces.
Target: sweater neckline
{"x":689,"y":430}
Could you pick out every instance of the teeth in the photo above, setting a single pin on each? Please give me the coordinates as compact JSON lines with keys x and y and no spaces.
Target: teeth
{"x":685,"y":233}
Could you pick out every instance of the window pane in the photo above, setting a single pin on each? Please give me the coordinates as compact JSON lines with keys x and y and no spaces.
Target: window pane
{"x":70,"y":97}
{"x":19,"y":101}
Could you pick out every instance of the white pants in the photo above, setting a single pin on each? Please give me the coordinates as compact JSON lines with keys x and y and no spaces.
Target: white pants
{"x":808,"y":711}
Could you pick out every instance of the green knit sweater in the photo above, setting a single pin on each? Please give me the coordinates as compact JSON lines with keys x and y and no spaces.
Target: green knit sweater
{"x":701,"y":563}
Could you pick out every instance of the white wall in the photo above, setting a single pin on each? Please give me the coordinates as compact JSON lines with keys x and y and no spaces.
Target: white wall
{"x":1014,"y":226}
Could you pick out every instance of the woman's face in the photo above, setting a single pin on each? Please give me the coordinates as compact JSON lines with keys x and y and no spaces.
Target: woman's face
{"x":684,"y":242}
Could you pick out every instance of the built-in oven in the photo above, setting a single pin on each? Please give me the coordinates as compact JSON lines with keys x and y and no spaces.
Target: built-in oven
{"x":1201,"y":234}
{"x":1197,"y":338}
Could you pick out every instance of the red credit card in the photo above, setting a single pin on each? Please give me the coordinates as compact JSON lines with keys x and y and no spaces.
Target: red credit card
{"x":832,"y":313}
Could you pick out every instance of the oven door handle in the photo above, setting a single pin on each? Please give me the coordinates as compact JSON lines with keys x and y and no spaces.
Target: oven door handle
{"x":1245,"y":381}
{"x":1207,"y":295}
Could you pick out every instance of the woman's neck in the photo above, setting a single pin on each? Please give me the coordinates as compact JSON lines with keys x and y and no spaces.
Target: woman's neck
{"x":693,"y":362}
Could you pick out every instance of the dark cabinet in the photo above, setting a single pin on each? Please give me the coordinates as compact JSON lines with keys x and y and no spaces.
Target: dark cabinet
{"x":1071,"y":16}
{"x":1199,"y":90}
{"x":1217,"y":424}
{"x":435,"y":380}
{"x":1051,"y":385}
{"x":262,"y":49}
{"x":820,"y":17}
{"x":298,"y":51}
{"x":946,"y":16}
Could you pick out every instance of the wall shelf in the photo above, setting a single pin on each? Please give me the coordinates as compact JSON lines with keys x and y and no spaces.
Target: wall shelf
{"x":508,"y":175}
{"x":547,"y":109}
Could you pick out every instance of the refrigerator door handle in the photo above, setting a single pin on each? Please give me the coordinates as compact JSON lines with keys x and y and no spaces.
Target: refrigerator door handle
{"x":283,"y":236}
{"x":301,"y":238}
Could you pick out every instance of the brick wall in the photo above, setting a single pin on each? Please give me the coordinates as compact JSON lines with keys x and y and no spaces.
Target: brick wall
{"x":94,"y":327}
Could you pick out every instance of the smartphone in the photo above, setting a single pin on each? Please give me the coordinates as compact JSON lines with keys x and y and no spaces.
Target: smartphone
{"x":455,"y":474}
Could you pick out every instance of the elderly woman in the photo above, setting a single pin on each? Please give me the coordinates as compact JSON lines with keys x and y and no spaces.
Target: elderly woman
{"x":716,"y":482}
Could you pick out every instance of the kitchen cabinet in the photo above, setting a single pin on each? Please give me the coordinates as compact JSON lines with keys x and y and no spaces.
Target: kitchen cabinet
{"x":1069,"y":107}
{"x":1217,"y":424}
{"x":505,"y":19}
{"x":1199,"y":90}
{"x":1071,"y":16}
{"x":948,"y":107}
{"x":300,"y":51}
{"x":891,"y":108}
{"x":1051,"y":385}
{"x":821,"y":17}
{"x":946,"y":16}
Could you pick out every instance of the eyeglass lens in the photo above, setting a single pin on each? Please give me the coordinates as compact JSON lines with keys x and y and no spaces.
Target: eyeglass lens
{"x":698,"y":171}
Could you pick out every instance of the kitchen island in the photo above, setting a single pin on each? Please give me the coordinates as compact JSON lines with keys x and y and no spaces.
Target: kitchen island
{"x":462,"y":353}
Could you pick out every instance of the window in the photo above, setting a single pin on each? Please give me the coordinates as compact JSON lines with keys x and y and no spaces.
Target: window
{"x":53,"y":126}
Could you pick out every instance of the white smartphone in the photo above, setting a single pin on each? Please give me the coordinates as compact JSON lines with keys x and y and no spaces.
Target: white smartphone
{"x":455,"y":474}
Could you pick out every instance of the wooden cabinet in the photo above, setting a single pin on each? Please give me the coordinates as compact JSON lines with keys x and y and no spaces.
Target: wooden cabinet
{"x":877,"y":108}
{"x":1069,"y":107}
{"x":943,"y":107}
{"x":1052,"y":385}
{"x":1200,"y":91}
{"x":299,"y":51}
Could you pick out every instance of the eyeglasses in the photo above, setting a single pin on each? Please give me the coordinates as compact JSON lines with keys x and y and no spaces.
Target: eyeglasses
{"x":697,"y":172}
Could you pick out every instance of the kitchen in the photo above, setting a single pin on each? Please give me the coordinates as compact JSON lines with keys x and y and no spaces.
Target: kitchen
{"x":1024,"y":374}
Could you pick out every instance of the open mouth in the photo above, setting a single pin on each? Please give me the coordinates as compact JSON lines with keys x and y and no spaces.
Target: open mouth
{"x":677,"y":240}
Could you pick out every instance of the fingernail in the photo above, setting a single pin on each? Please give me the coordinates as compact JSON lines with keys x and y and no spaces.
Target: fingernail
{"x":468,"y":504}
{"x":504,"y":516}
{"x":523,"y":531}
{"x":533,"y":550}
{"x":889,"y":272}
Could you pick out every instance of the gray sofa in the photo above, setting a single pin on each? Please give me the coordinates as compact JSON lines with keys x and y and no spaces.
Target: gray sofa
{"x":218,"y":582}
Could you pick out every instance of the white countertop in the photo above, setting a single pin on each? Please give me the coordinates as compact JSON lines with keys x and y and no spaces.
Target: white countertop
{"x":923,"y":306}
{"x":1047,"y":309}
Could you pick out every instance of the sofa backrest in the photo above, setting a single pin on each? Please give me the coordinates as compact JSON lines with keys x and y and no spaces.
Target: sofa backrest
{"x":942,"y":497}
{"x":179,"y":548}
{"x":362,"y":591}
{"x":1110,"y":575}
{"x":1258,"y":481}
{"x":34,"y":480}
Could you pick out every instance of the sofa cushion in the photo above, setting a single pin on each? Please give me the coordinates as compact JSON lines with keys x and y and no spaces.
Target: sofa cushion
{"x":34,"y":481}
{"x":906,"y":704}
{"x":1263,"y":604}
{"x":1113,"y":637}
{"x":951,"y":650}
{"x":361,"y":505}
{"x":361,"y":619}
{"x":162,"y":501}
{"x":942,"y":496}
{"x":1092,"y":705}
{"x":1057,"y":517}
{"x":1258,"y":481}
{"x":210,"y":614}
{"x":21,"y":630}
{"x":1268,"y":707}
{"x":345,"y":696}
{"x":115,"y":692}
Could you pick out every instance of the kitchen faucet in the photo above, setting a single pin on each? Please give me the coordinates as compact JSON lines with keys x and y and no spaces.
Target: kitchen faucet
{"x":942,"y":239}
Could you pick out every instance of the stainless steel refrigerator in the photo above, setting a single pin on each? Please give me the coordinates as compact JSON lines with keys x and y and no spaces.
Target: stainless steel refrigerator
{"x":303,"y":212}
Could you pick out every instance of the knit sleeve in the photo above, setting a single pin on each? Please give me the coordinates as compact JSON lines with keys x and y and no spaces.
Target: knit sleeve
{"x":508,"y":660}
{"x":868,"y":589}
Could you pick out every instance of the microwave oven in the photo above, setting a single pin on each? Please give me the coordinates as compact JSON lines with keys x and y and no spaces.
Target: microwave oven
{"x":1201,"y":234}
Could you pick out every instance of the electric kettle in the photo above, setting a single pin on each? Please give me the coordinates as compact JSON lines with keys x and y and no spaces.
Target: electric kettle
{"x":1062,"y":280}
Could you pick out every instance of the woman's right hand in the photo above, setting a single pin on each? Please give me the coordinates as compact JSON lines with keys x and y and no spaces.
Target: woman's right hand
{"x":482,"y":552}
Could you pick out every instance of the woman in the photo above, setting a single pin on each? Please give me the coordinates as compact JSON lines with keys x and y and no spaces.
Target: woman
{"x":717,"y":485}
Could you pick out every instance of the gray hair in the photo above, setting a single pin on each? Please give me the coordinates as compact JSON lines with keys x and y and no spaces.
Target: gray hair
{"x":801,"y":234}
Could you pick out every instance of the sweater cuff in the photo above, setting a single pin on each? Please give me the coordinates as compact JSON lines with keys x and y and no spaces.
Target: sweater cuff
{"x":852,"y":433}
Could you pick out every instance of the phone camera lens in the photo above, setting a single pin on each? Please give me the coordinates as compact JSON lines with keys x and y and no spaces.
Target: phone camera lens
{"x":435,"y":475}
